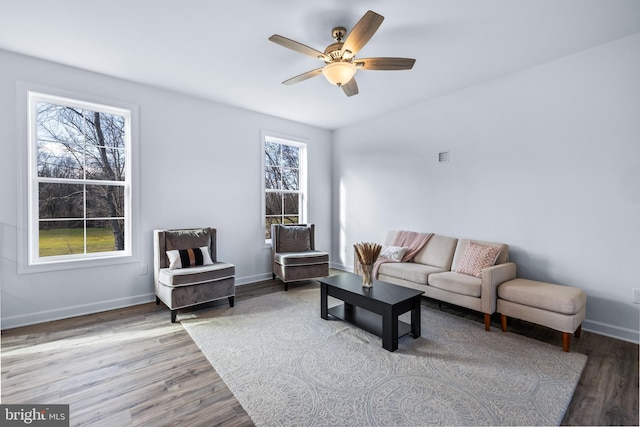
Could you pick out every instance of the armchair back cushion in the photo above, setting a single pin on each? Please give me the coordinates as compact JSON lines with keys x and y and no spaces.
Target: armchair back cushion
{"x":294,"y":239}
{"x":186,"y":239}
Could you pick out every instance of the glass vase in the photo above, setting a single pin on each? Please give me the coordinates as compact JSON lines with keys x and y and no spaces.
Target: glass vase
{"x":366,"y":275}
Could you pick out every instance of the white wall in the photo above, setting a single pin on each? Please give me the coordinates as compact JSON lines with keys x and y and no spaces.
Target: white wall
{"x":546,"y":160}
{"x":200,"y":165}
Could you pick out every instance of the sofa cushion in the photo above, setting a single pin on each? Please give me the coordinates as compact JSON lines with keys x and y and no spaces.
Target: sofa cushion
{"x":503,"y":255}
{"x":458,"y":283}
{"x":476,"y":258}
{"x":301,"y":258}
{"x":294,"y":238}
{"x":195,"y":275}
{"x":438,"y":252}
{"x":417,"y":273}
{"x":183,"y":258}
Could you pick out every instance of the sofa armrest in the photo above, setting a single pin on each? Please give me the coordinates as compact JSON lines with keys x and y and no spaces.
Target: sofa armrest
{"x":492,"y":277}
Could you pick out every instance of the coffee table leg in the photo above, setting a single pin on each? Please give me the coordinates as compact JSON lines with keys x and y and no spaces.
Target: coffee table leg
{"x":323,"y":301}
{"x":390,"y":330}
{"x":415,"y":318}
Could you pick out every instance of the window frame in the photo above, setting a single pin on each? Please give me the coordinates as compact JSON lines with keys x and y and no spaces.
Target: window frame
{"x":302,"y":145}
{"x":30,"y":260}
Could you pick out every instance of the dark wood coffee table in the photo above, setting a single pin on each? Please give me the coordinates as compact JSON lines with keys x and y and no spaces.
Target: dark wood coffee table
{"x":375,"y":309}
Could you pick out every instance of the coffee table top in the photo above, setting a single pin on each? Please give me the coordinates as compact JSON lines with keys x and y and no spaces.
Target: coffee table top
{"x":380,"y":291}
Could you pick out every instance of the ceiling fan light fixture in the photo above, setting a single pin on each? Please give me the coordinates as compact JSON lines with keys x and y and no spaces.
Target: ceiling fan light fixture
{"x":339,"y":73}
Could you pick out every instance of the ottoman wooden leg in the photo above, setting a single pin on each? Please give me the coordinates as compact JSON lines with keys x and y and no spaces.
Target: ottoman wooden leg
{"x":566,"y":341}
{"x":503,"y":318}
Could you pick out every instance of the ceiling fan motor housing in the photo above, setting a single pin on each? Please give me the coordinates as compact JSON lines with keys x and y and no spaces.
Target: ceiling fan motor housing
{"x":333,"y":51}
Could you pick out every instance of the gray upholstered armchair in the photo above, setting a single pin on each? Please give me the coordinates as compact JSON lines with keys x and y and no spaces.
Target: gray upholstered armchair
{"x":294,"y":253}
{"x":186,"y":271}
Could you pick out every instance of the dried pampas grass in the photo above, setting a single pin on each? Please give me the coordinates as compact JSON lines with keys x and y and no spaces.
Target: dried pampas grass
{"x":367,"y":252}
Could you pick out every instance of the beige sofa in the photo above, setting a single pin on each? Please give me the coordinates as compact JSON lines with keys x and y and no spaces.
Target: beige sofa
{"x":433,"y":270}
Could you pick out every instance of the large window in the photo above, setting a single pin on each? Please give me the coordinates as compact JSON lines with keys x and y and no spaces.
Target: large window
{"x":79,"y":180}
{"x":285,"y":182}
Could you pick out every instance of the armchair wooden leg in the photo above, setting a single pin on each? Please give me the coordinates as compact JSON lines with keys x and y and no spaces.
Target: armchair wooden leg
{"x":157,"y":300}
{"x":231,"y":301}
{"x":174,"y":313}
{"x":286,"y":286}
{"x":487,"y":321}
{"x":273,"y":276}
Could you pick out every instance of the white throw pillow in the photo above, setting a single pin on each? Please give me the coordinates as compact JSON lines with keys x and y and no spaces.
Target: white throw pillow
{"x":394,"y":253}
{"x":192,"y":257}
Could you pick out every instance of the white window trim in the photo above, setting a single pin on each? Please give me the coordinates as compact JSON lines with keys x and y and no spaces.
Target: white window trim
{"x":302,"y":143}
{"x":27,"y":262}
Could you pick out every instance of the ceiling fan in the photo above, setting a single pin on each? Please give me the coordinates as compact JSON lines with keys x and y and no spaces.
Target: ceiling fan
{"x":340,"y":57}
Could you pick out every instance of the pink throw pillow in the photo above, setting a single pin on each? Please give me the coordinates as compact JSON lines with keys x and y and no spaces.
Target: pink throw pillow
{"x":476,"y":258}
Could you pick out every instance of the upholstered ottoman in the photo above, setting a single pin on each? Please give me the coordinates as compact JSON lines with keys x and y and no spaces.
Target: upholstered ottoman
{"x":555,"y":306}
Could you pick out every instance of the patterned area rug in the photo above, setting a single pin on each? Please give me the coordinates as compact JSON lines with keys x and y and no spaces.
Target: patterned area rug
{"x":288,"y":367}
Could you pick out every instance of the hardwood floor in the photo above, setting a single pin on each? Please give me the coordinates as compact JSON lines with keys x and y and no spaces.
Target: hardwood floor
{"x":132,"y":367}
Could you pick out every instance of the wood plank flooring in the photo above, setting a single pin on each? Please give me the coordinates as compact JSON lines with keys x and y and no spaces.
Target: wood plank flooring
{"x":132,"y":367}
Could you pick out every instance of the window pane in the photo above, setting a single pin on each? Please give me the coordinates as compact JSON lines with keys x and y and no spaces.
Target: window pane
{"x":273,"y":178}
{"x":57,"y":160}
{"x":272,"y":154}
{"x":290,"y":156}
{"x":61,"y":238}
{"x":268,"y":222}
{"x":291,"y":204}
{"x":103,"y":236}
{"x":105,"y":163}
{"x":291,"y":220}
{"x":273,"y":203}
{"x":112,"y":129}
{"x":60,"y":200}
{"x":60,"y":123}
{"x":105,"y":201}
{"x":290,"y":179}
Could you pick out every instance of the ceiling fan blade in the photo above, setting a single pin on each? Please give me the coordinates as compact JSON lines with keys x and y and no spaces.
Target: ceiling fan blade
{"x":302,"y":77}
{"x":362,"y":32}
{"x":350,"y":88}
{"x":384,"y":63}
{"x":298,"y":47}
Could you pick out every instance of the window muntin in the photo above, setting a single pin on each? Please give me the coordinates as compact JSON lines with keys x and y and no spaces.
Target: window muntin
{"x":284,"y":183}
{"x":80,"y":185}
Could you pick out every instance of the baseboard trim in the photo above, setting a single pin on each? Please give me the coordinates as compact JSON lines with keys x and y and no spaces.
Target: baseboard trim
{"x":612,"y":331}
{"x":341,"y":267}
{"x":74,"y":311}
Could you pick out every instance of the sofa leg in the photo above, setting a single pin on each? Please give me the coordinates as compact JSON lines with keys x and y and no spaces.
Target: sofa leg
{"x":487,"y":321}
{"x":173,"y":315}
{"x":231,"y":301}
{"x":503,"y":319}
{"x":577,"y":332}
{"x":566,"y":341}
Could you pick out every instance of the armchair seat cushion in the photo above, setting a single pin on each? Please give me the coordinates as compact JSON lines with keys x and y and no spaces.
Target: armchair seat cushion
{"x":458,"y":283}
{"x":301,"y":258}
{"x":196,"y":275}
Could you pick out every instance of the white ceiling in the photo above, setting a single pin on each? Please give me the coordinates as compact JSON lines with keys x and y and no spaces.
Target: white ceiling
{"x":219,"y":50}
